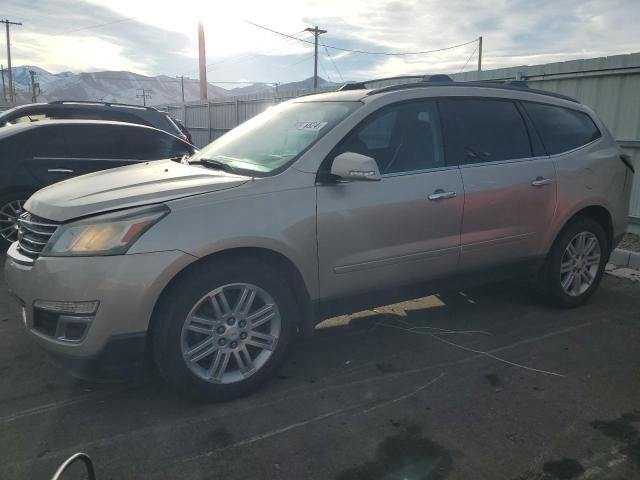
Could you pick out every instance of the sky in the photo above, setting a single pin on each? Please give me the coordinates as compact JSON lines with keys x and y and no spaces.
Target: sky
{"x":160,"y":37}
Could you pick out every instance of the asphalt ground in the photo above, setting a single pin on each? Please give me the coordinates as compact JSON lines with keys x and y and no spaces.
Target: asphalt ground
{"x":481,"y":384}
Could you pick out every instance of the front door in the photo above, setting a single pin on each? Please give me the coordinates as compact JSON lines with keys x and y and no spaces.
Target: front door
{"x":388,"y":234}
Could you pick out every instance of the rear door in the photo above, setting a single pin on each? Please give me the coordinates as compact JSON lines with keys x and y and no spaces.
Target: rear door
{"x":64,"y":151}
{"x":509,"y":183}
{"x":67,"y":150}
{"x":384,"y":235}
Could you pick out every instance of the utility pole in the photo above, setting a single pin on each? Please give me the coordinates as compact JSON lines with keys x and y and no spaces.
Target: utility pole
{"x":316,"y":33}
{"x":202,"y":62}
{"x":146,"y":93}
{"x":181,"y":77}
{"x":35,"y":87}
{"x":7,"y":23}
{"x":4,"y":89}
{"x":480,"y":53}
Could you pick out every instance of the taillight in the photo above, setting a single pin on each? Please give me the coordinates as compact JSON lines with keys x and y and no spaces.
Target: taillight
{"x":626,"y":159}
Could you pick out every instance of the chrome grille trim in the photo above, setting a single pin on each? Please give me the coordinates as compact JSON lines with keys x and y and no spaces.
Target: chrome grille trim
{"x":34,"y":233}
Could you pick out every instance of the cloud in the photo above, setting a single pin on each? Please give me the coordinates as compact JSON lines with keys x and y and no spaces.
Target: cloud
{"x":162,"y":38}
{"x":126,"y":45}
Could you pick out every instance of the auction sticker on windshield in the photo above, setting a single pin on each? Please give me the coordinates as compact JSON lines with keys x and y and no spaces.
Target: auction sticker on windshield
{"x":310,"y":126}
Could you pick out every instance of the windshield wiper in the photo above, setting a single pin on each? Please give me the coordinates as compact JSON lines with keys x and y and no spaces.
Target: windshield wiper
{"x":216,"y":164}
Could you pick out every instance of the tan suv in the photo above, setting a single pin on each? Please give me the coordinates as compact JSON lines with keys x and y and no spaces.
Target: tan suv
{"x":322,"y":205}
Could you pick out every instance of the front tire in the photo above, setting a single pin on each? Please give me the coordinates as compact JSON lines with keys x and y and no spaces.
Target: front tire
{"x":11,"y":206}
{"x":575,"y":264}
{"x":223,"y":328}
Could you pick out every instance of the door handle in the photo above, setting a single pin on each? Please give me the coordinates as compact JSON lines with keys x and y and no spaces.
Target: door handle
{"x":59,"y":170}
{"x":441,"y":195}
{"x":541,"y":182}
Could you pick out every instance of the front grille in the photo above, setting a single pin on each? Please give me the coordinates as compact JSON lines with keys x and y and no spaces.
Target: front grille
{"x":34,"y":233}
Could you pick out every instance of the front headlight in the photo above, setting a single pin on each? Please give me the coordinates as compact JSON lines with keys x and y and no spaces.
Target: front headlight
{"x":110,"y":234}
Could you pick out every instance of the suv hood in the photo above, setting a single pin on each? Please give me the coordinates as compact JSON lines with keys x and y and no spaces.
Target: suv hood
{"x":130,"y":186}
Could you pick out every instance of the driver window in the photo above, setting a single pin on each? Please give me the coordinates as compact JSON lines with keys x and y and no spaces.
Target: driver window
{"x":401,"y":138}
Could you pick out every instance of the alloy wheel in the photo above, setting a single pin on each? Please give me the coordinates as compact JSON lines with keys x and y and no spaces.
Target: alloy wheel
{"x":9,"y":213}
{"x":230,"y":333}
{"x":580,"y":264}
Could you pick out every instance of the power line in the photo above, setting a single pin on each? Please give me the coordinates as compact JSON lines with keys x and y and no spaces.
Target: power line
{"x":325,"y":72}
{"x":334,"y":64}
{"x":93,"y":26}
{"x":364,"y":51}
{"x":106,"y":75}
{"x":470,"y":57}
{"x":298,"y":62}
{"x":243,"y":57}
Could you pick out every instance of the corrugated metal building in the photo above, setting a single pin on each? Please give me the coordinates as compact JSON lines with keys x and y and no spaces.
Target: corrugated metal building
{"x":609,"y":85}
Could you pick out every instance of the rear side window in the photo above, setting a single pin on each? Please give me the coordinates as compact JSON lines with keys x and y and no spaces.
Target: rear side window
{"x":48,"y":141}
{"x":92,"y":141}
{"x":483,"y":130}
{"x":147,"y":144}
{"x":561,"y":129}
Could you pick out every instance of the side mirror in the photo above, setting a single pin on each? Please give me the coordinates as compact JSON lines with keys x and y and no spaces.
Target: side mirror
{"x":353,"y":166}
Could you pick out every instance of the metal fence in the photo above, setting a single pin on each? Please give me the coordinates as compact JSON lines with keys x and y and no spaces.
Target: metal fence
{"x":609,"y":85}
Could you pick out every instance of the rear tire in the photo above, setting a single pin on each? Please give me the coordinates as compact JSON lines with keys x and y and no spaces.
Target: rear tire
{"x":215,"y":336}
{"x":575,"y":264}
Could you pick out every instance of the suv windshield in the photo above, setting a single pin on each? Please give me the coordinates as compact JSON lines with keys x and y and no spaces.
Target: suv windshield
{"x":269,"y":142}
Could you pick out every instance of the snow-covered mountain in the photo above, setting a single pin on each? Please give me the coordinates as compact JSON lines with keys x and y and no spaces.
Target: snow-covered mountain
{"x":125,"y":87}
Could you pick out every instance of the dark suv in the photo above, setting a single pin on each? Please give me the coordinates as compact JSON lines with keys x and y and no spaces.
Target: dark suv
{"x":34,"y":155}
{"x":82,"y":110}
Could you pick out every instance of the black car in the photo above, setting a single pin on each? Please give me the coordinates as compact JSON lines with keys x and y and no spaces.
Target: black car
{"x":84,"y":110}
{"x":34,"y":155}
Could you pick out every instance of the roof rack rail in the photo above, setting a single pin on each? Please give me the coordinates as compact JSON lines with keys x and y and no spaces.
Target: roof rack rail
{"x":439,"y":80}
{"x":439,"y":77}
{"x":363,"y":85}
{"x":352,"y":86}
{"x":516,"y":83}
{"x":106,"y":104}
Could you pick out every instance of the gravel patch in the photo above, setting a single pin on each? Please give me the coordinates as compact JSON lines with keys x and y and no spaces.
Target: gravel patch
{"x":630,"y":241}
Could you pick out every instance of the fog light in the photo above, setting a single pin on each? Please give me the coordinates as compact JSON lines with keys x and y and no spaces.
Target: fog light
{"x":72,"y":329}
{"x":75,"y":308}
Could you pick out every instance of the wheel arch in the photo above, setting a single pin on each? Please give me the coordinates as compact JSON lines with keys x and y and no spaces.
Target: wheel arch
{"x":596,"y":212}
{"x":274,"y":259}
